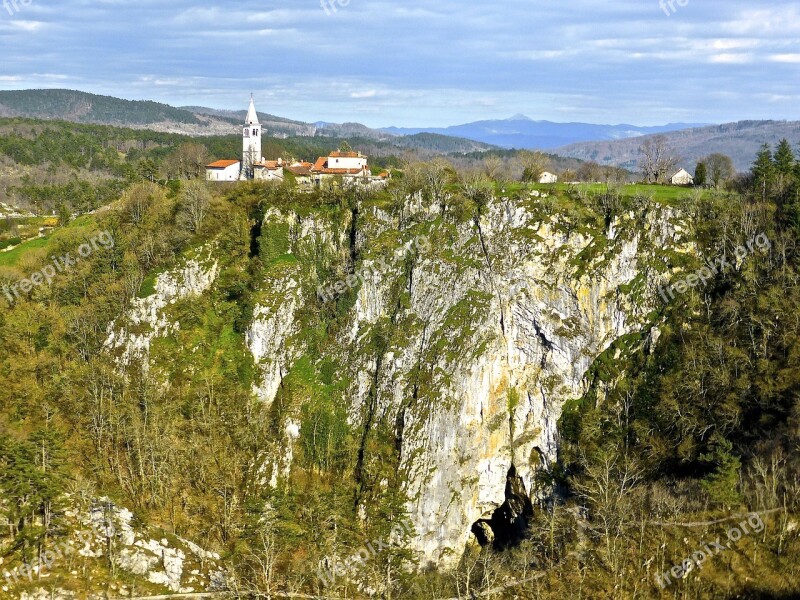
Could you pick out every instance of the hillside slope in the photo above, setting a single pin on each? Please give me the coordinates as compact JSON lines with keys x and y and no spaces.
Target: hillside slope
{"x":740,"y":141}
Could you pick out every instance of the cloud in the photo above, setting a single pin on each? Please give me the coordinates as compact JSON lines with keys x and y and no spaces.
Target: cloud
{"x":417,"y":62}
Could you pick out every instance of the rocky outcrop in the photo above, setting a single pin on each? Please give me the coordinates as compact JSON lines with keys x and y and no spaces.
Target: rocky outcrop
{"x":129,"y":337}
{"x":103,"y":539}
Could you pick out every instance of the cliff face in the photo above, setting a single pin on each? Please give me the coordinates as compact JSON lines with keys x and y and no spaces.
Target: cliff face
{"x":486,"y":329}
{"x":458,"y":340}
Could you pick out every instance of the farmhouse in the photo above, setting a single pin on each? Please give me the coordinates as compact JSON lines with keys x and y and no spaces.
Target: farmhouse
{"x":682,"y":177}
{"x":548,"y":177}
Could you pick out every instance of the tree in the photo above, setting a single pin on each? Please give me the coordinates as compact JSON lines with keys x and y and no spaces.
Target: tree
{"x":533,"y":165}
{"x":64,"y":214}
{"x":147,"y":169}
{"x":345,"y":147}
{"x":590,"y":172}
{"x":195,"y":200}
{"x":657,"y":160}
{"x":720,"y":168}
{"x":493,"y":167}
{"x":32,"y":478}
{"x":784,"y":158}
{"x":722,"y":483}
{"x":187,"y":161}
{"x":784,"y":166}
{"x":700,"y":174}
{"x":763,"y":171}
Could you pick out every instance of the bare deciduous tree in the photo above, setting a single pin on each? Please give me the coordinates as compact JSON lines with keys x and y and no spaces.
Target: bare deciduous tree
{"x":720,"y":168}
{"x":533,"y":165}
{"x":657,"y":159}
{"x":195,"y":200}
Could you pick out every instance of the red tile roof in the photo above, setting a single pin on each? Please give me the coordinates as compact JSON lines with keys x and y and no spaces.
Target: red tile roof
{"x":221,"y":164}
{"x":299,"y":169}
{"x":320,"y":164}
{"x":272,"y":165}
{"x":337,"y":154}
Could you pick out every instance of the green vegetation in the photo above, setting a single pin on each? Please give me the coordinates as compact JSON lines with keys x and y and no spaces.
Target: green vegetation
{"x":693,"y":418}
{"x":12,"y":257}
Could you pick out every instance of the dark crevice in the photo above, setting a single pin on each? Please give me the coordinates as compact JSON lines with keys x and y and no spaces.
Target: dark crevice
{"x":491,"y":273}
{"x":372,"y":403}
{"x":400,"y":427}
{"x":508,"y":525}
{"x":255,"y":235}
{"x":548,"y":345}
{"x":353,"y":238}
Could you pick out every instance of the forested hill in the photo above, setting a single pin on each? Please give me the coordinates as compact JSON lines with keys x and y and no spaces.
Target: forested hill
{"x":741,"y":141}
{"x":82,"y":107}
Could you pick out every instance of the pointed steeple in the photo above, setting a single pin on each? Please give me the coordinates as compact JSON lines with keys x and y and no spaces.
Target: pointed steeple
{"x":252,"y":116}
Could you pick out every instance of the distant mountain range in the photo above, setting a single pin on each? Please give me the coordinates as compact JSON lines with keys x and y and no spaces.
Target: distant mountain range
{"x":607,"y":144}
{"x":82,"y":107}
{"x":740,"y":141}
{"x":523,"y":132}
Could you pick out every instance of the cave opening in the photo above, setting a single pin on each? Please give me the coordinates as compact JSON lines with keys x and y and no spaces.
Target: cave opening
{"x":508,"y":525}
{"x":255,"y":238}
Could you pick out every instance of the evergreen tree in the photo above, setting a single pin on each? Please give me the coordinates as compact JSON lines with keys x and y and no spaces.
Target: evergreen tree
{"x":700,"y":174}
{"x":784,"y":158}
{"x":763,"y":171}
{"x":722,"y":483}
{"x":32,"y":478}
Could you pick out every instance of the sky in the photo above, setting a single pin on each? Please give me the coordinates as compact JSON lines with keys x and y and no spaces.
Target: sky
{"x":420,"y":63}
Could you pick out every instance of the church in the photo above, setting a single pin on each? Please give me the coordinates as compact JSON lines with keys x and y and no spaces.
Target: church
{"x":351,"y":167}
{"x":239,"y":170}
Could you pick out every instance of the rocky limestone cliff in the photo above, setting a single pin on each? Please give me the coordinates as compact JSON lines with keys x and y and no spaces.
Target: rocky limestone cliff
{"x":490,"y":325}
{"x":459,"y":338}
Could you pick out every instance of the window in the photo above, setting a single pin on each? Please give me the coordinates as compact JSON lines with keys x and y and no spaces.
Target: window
{"x":255,"y":132}
{"x":246,"y":133}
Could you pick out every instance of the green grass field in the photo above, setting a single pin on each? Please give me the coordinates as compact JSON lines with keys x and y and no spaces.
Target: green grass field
{"x":667,"y":193}
{"x":12,"y":257}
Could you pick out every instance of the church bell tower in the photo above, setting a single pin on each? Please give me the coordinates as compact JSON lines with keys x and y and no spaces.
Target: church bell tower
{"x":251,"y":141}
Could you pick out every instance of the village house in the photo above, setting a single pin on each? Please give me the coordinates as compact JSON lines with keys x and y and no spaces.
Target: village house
{"x":223,"y":170}
{"x":682,"y":177}
{"x":268,"y":170}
